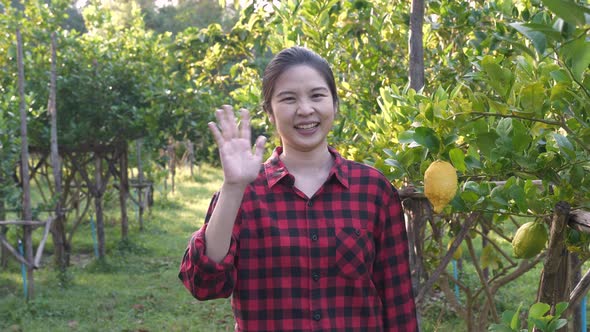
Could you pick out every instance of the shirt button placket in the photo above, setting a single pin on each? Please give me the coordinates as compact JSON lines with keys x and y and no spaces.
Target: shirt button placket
{"x":315,"y":273}
{"x":315,"y":276}
{"x":317,"y":315}
{"x":314,"y":236}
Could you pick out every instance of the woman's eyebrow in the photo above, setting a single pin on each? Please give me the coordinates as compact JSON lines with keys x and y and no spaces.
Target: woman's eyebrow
{"x":283,"y":93}
{"x":288,"y":92}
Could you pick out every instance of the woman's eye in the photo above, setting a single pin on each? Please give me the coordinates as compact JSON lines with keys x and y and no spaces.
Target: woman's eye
{"x":318,"y":95}
{"x":287,"y":99}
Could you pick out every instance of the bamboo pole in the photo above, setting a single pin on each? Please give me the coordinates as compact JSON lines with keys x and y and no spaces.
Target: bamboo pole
{"x":26,"y":195}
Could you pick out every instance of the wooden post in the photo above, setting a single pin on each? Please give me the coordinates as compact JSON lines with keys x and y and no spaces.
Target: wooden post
{"x":554,"y":278}
{"x":579,"y":220}
{"x":98,"y":205}
{"x":191,"y":155}
{"x":140,"y":179}
{"x":58,"y":231}
{"x":416,"y":45}
{"x":124,"y":189}
{"x":172,"y":162}
{"x":575,"y":268}
{"x":3,"y":229}
{"x":27,"y":211}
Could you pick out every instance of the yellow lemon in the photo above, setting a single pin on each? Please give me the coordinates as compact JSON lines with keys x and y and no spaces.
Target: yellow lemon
{"x":440,"y":184}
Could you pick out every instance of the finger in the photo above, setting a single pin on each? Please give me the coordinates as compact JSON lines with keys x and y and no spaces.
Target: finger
{"x":245,"y":124}
{"x":231,"y":127}
{"x":259,"y":147}
{"x":222,"y":126}
{"x":216,"y":133}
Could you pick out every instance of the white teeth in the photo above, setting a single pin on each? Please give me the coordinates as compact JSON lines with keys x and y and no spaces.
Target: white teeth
{"x":307,"y":126}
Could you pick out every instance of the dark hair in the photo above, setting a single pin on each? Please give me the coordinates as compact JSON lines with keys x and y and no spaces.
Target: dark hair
{"x":288,"y":58}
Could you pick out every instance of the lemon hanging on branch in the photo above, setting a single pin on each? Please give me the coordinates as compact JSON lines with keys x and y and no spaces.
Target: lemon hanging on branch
{"x":529,"y":240}
{"x":440,"y":184}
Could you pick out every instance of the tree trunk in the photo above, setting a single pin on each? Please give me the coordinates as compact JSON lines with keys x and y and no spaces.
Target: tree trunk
{"x":124,"y":190}
{"x":191,"y":155}
{"x":172,"y":163}
{"x":3,"y":230}
{"x":416,"y":45}
{"x":27,"y":210}
{"x":416,"y":218}
{"x":58,"y":228}
{"x":98,"y":206}
{"x":554,"y":286}
{"x":140,"y":183}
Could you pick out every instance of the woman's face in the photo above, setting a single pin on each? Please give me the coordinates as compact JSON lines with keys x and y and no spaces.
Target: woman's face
{"x":302,"y":109}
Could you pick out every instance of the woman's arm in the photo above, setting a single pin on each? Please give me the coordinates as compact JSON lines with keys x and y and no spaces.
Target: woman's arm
{"x":240,"y":167}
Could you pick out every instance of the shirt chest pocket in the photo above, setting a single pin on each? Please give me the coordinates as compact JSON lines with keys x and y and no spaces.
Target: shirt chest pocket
{"x":355,"y":251}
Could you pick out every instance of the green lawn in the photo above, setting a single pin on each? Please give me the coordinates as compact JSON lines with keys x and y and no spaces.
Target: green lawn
{"x":137,"y":289}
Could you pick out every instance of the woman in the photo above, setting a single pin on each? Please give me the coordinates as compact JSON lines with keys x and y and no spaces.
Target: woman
{"x":309,"y":241}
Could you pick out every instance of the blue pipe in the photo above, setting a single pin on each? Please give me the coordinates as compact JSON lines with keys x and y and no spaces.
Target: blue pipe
{"x":583,"y":314}
{"x":456,"y":276}
{"x":93,"y":229}
{"x":23,"y":268}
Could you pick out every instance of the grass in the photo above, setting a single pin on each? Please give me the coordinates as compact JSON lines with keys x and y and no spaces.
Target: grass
{"x":136,"y":287}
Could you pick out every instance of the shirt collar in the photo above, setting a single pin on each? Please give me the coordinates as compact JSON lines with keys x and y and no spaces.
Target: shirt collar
{"x":275,"y":169}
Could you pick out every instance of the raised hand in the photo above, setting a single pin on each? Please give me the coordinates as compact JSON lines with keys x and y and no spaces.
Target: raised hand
{"x":240,"y":164}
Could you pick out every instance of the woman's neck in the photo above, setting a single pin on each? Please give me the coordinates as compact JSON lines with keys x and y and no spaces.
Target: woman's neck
{"x":312,"y":161}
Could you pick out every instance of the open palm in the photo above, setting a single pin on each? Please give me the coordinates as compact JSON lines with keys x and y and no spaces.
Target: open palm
{"x":240,"y":164}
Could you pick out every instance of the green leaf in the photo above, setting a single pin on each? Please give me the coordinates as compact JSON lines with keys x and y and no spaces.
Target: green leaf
{"x":458,"y":159}
{"x":427,"y":137}
{"x":393,"y":163}
{"x":560,"y":308}
{"x":521,"y":137}
{"x":577,"y":57}
{"x":538,"y":323}
{"x":561,"y":76}
{"x":504,"y":128}
{"x":532,"y":97}
{"x":469,"y":196}
{"x":406,"y":137}
{"x":514,"y":323}
{"x":507,"y":317}
{"x":499,"y":78}
{"x":536,"y":37}
{"x":569,"y":11}
{"x":538,"y":310}
{"x":561,"y":323}
{"x":487,"y":142}
{"x":565,"y":146}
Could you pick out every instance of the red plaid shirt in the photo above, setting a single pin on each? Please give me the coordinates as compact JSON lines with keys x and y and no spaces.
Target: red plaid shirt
{"x":337,"y":261}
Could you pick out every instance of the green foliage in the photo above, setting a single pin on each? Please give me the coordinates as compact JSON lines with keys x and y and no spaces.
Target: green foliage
{"x":538,"y":318}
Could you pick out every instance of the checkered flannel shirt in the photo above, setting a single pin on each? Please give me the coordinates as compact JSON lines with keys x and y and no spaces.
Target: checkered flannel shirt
{"x":337,"y":261}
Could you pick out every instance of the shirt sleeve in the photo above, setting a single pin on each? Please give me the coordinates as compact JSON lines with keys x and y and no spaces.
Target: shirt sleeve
{"x":392,"y":267}
{"x":203,"y":277}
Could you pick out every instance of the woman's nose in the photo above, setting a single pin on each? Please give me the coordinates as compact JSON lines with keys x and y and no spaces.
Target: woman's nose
{"x":305,"y":108}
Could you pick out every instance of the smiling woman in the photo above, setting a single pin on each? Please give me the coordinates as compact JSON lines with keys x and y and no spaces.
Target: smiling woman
{"x":307,"y":240}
